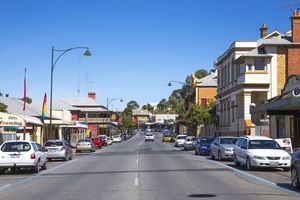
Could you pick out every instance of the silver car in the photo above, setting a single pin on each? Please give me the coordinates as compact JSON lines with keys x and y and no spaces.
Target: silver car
{"x":85,"y":145}
{"x":16,"y":155}
{"x":58,"y":149}
{"x":222,"y":147}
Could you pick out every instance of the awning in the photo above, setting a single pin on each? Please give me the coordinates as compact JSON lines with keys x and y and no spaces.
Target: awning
{"x":8,"y":119}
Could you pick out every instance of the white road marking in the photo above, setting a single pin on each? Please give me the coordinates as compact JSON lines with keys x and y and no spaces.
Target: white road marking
{"x":136,"y":182}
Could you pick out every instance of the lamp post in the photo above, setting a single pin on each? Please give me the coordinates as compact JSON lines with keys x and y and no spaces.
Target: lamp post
{"x":53,"y":63}
{"x":108,"y":101}
{"x":170,"y":83}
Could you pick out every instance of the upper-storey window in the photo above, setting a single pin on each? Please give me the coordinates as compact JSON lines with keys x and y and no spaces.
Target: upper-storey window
{"x":259,"y":64}
{"x":242,"y":68}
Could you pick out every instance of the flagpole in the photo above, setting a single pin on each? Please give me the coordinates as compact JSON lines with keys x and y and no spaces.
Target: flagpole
{"x":24,"y":105}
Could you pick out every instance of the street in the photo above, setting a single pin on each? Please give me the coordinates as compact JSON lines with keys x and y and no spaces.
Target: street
{"x":139,"y":170}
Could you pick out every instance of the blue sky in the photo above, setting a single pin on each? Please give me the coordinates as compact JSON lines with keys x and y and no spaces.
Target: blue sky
{"x":137,"y":45}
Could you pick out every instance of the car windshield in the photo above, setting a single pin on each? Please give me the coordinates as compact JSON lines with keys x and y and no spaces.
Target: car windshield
{"x":181,"y":137}
{"x":166,"y":135}
{"x":264,"y":144}
{"x":149,"y":134}
{"x":228,"y":140}
{"x":190,"y":139}
{"x":53,"y":143}
{"x":15,"y":146}
{"x":84,"y":141}
{"x":206,"y":140}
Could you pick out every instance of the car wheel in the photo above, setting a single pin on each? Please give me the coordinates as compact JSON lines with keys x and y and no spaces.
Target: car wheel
{"x":287,"y":169}
{"x":248,"y":164}
{"x":212,"y":155}
{"x":65,"y":157}
{"x":45,"y":165}
{"x":294,"y":179}
{"x":220,"y":156}
{"x":36,"y":169}
{"x":71,"y":156}
{"x":236,"y":162}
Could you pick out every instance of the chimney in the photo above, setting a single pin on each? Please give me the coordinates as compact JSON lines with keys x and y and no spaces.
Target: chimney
{"x":295,"y":19}
{"x":92,"y":95}
{"x":263,"y":30}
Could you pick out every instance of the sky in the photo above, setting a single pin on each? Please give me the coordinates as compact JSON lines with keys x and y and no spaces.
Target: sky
{"x":137,"y":46}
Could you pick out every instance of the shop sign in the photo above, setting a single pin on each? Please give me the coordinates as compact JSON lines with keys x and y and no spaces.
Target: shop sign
{"x":11,"y":120}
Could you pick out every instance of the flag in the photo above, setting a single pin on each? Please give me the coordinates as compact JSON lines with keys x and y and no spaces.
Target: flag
{"x":24,"y":99}
{"x":44,"y":108}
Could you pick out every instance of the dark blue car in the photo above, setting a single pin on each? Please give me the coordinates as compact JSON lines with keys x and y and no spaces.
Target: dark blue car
{"x":202,"y":145}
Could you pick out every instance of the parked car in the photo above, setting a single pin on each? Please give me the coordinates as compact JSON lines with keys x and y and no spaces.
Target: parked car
{"x":149,"y":137}
{"x":117,"y":138}
{"x":222,"y":147}
{"x":124,"y":136}
{"x":85,"y":145}
{"x":179,"y":140}
{"x":167,"y":137}
{"x":98,"y":142}
{"x":202,"y":145}
{"x":103,"y":139}
{"x":16,"y":155}
{"x":58,"y":149}
{"x":260,"y":151}
{"x":295,"y":169}
{"x":189,"y":143}
{"x":109,"y":141}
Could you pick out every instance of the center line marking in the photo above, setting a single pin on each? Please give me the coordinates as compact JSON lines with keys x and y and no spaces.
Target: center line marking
{"x":136,"y":182}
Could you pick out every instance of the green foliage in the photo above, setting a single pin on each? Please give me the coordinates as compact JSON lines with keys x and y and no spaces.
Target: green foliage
{"x":197,"y":115}
{"x":28,"y":100}
{"x":132,"y":105}
{"x":201,"y":73}
{"x":127,"y":122}
{"x":148,"y":107}
{"x":3,"y":107}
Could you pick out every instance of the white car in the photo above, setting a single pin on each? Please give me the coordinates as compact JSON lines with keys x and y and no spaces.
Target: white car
{"x":16,"y":155}
{"x":149,"y":136}
{"x":109,"y":141}
{"x":260,"y":151}
{"x":179,"y":140}
{"x":117,"y":138}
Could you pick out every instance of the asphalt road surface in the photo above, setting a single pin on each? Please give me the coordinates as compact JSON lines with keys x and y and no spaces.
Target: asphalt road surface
{"x":139,"y":170}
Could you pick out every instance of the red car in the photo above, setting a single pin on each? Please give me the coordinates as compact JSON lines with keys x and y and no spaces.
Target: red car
{"x":97,"y":142}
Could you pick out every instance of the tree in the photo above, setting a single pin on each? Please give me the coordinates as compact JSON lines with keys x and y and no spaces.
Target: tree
{"x":201,"y":73}
{"x":163,"y":105}
{"x":132,"y":105}
{"x":28,"y":100}
{"x":127,"y":122}
{"x":148,"y":107}
{"x":3,"y":107}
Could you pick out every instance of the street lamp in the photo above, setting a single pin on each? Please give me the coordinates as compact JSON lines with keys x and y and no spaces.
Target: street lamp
{"x":108,"y":101}
{"x":53,"y":63}
{"x":170,"y":83}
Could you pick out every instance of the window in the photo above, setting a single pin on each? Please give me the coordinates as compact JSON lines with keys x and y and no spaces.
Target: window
{"x":242,"y":68}
{"x":259,"y":64}
{"x":203,"y":101}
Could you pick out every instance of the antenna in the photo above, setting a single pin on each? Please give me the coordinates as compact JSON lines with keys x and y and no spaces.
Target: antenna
{"x":292,"y":5}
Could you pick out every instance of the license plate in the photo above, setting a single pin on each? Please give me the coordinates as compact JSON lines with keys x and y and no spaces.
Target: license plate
{"x":273,"y":163}
{"x":15,"y":156}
